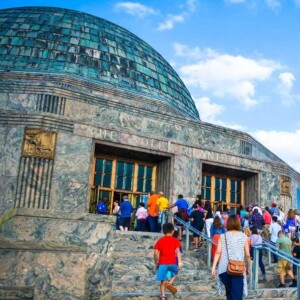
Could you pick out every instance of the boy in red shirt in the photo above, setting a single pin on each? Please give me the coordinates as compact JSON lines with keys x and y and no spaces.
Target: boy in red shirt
{"x":166,"y":256}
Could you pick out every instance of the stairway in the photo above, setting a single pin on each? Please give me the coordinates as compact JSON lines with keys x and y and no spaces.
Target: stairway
{"x":134,"y":276}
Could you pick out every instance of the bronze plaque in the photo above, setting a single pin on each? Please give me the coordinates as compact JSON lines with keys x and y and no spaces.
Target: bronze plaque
{"x":39,"y":143}
{"x":285,"y":185}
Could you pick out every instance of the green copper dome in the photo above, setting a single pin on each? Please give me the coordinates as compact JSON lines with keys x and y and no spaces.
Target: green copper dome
{"x":62,"y":41}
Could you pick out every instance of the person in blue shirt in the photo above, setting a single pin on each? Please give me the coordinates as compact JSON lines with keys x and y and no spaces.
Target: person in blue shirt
{"x":126,"y":210}
{"x":181,"y":203}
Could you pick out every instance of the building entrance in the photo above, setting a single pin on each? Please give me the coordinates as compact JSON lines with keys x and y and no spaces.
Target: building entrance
{"x":117,"y":172}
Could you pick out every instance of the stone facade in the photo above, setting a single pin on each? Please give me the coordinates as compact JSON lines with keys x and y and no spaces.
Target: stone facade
{"x":189,"y":143}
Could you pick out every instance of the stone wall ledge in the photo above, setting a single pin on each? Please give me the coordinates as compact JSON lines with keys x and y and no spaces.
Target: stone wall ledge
{"x":138,"y":233}
{"x":54,"y":214}
{"x":16,"y":292}
{"x":41,"y":246}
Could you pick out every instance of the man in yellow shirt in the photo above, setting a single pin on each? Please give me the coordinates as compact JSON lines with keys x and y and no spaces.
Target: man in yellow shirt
{"x":162,"y":205}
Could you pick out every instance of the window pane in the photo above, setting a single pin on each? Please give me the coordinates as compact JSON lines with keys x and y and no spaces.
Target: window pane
{"x":217,"y":183}
{"x":141,"y":171}
{"x":108,"y":166}
{"x":119,"y":182}
{"x":223,"y":195}
{"x":120,"y":168}
{"x":97,"y":179}
{"x":107,"y":180}
{"x":149,"y":173}
{"x":232,"y":185}
{"x":239,"y":186}
{"x":238,"y":198}
{"x":232,"y":197}
{"x":148,"y":186}
{"x":223,"y":183}
{"x":128,"y":183}
{"x":140,"y":185}
{"x":99,"y":164}
{"x":217,"y":195}
{"x":208,"y":181}
{"x":129,"y":169}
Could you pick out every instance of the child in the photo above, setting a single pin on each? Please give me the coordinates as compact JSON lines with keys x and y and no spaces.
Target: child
{"x":166,"y":250}
{"x":141,"y":217}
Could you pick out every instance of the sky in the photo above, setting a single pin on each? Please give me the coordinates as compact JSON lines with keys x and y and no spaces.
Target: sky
{"x":240,"y":59}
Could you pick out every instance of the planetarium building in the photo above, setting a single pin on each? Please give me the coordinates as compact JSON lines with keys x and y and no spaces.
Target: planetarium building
{"x":89,"y":112}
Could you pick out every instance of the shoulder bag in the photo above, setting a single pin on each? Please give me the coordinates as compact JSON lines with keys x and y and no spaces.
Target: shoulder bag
{"x":235,"y":267}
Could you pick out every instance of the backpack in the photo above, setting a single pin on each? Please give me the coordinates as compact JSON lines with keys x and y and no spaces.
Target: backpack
{"x":101,"y":207}
{"x":184,"y":214}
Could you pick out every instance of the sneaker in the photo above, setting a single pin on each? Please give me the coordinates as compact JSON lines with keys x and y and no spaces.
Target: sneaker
{"x":196,"y":249}
{"x":263,"y":278}
{"x":294,"y":284}
{"x":281,"y":286}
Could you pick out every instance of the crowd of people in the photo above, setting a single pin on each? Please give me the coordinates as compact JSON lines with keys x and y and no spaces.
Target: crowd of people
{"x":235,"y":236}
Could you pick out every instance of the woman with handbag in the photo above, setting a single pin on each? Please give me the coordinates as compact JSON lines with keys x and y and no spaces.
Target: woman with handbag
{"x":232,"y":250}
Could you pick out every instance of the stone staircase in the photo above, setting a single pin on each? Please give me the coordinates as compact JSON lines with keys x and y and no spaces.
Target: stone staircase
{"x":53,"y":255}
{"x":134,"y":276}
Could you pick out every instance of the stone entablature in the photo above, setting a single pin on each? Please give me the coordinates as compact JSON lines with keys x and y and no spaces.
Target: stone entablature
{"x":110,"y":109}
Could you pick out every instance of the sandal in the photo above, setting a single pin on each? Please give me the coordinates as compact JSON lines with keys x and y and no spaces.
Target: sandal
{"x":171,"y":288}
{"x":163,"y":298}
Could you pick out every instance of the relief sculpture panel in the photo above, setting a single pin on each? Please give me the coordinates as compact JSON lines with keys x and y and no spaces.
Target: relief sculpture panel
{"x":285,"y":185}
{"x":39,"y":143}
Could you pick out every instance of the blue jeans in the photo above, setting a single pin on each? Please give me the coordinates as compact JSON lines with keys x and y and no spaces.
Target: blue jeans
{"x":260,"y":260}
{"x":233,"y":286}
{"x":153,"y":223}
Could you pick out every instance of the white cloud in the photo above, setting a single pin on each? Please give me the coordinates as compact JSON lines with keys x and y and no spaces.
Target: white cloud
{"x":286,"y":83}
{"x":189,"y":7}
{"x":170,"y":22}
{"x":209,"y":112}
{"x":273,"y":4}
{"x":287,"y":80}
{"x":225,"y":75}
{"x":135,"y":9}
{"x":285,"y":145}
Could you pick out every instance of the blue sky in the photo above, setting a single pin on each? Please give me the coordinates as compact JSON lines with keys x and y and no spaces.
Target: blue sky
{"x":238,"y":58}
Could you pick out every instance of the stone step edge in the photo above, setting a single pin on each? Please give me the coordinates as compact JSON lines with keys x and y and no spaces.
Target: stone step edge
{"x":42,"y":246}
{"x":250,"y":292}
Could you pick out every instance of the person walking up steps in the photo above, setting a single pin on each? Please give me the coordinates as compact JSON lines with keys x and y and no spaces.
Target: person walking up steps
{"x":166,"y":255}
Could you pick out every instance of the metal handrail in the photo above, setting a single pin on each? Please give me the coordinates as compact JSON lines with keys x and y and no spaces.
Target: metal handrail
{"x":283,"y":255}
{"x":188,"y":228}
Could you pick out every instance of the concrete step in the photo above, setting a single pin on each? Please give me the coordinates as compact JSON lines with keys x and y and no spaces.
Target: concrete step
{"x":182,"y":276}
{"x":153,"y":286}
{"x":263,"y":294}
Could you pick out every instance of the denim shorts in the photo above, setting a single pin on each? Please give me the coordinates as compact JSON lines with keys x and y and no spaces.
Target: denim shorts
{"x":165,"y":271}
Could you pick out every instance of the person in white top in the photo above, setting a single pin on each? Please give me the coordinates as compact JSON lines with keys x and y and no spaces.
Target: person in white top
{"x":141,"y":217}
{"x":274,"y":229}
{"x":258,"y":208}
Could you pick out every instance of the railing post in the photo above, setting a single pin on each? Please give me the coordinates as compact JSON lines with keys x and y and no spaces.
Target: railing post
{"x":298,"y":282}
{"x":255,"y":270}
{"x":251,"y":276}
{"x":187,"y":238}
{"x":208,"y":248}
{"x":269,"y":258}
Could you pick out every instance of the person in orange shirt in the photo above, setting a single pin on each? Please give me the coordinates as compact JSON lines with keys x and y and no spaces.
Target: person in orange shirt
{"x":153,"y":212}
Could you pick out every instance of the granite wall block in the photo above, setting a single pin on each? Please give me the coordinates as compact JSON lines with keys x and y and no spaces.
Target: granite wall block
{"x":7,"y":194}
{"x":187,"y":176}
{"x":50,"y":272}
{"x":72,"y":167}
{"x":269,"y":188}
